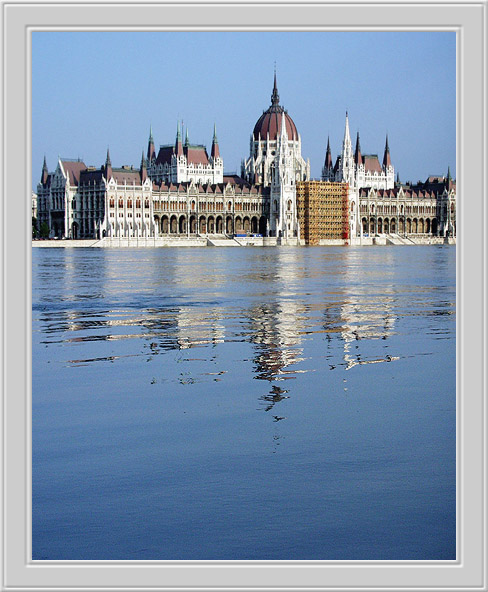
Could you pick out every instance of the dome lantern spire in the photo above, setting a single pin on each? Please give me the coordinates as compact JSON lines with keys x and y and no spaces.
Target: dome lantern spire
{"x":275,"y":97}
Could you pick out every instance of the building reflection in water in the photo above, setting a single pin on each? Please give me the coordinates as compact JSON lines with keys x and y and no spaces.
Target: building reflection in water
{"x":284,"y":302}
{"x":365,"y":315}
{"x":276,"y":327}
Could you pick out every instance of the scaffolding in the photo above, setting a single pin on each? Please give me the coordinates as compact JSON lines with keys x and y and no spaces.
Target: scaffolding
{"x":323,"y":211}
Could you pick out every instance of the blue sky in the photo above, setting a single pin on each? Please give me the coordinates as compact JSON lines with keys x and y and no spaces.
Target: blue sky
{"x":94,"y":90}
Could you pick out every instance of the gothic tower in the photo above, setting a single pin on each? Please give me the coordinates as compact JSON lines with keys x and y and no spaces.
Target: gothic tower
{"x":275,"y":162}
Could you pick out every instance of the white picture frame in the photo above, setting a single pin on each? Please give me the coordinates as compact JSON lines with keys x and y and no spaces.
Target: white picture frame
{"x":469,"y":21}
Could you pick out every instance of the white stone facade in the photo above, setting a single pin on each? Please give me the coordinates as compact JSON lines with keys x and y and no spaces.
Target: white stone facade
{"x":276,"y":162}
{"x":359,"y":172}
{"x":182,"y":191}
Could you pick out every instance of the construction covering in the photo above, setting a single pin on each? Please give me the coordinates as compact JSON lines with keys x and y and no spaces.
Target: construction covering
{"x":323,"y":211}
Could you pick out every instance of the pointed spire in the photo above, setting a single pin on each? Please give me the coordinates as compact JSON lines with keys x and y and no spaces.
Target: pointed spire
{"x":347,"y":135}
{"x":187,"y":141}
{"x":143,"y":170}
{"x":151,"y":152}
{"x":178,"y":145}
{"x":347,"y":154}
{"x":275,"y":97}
{"x":386,"y":157}
{"x":215,"y":144}
{"x":328,"y":156}
{"x":283,"y":132}
{"x":449,"y":178}
{"x":358,"y":159}
{"x":108,"y":165}
{"x":45,"y":172}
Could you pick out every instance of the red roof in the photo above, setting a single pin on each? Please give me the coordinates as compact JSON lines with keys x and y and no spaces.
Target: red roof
{"x":371,"y":163}
{"x":73,"y":169}
{"x":196,"y":154}
{"x":270,"y":122}
{"x":129,"y":177}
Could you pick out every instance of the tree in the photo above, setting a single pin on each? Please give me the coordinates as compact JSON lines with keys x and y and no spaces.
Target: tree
{"x":44,"y":230}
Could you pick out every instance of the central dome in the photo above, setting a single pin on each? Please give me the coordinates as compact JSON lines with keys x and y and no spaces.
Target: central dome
{"x":270,"y":120}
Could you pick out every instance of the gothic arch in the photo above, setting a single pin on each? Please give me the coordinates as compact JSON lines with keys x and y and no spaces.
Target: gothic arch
{"x":182,"y":225}
{"x":164,"y":225}
{"x":202,"y":225}
{"x":254,"y":225}
{"x":219,"y":225}
{"x":228,"y":225}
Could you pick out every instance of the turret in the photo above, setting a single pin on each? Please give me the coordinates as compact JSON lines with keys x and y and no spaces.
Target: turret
{"x":386,"y":157}
{"x":143,"y":169}
{"x":45,"y":173}
{"x":347,"y":159}
{"x":215,"y":145}
{"x":151,"y":151}
{"x":449,"y":179}
{"x":178,"y":144}
{"x":358,"y":159}
{"x":327,"y":169}
{"x":346,"y":143}
{"x":108,"y":166}
{"x":328,"y":156}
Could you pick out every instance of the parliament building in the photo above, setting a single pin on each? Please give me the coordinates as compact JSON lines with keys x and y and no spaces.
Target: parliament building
{"x":181,"y":190}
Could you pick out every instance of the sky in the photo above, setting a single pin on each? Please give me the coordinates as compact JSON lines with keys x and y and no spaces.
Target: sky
{"x":97,"y":90}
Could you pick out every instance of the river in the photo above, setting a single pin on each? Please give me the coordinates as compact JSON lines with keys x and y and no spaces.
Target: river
{"x":244,"y":404}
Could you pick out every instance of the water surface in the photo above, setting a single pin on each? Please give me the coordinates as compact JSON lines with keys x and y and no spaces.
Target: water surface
{"x":253,"y":403}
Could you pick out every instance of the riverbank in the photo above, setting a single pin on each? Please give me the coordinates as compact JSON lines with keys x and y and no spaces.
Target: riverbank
{"x":384,"y":240}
